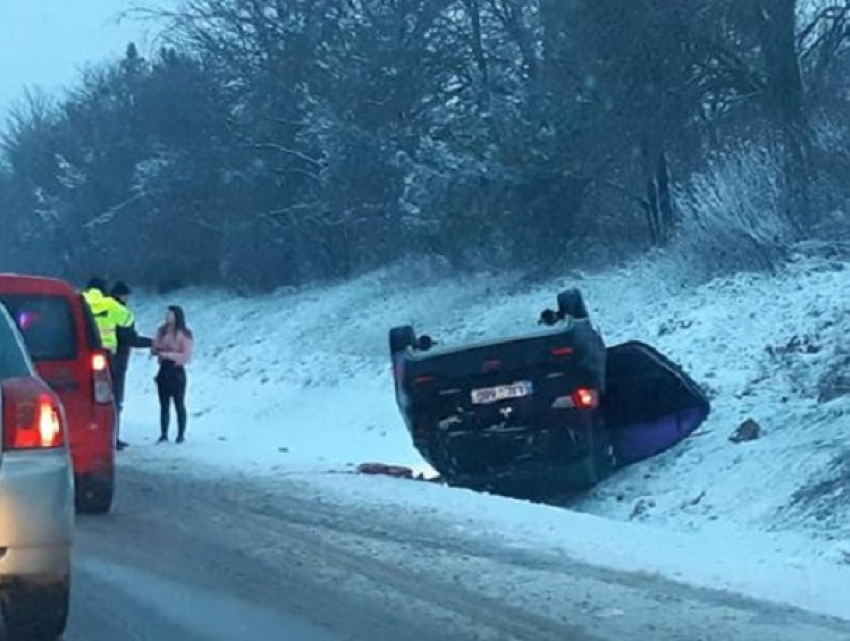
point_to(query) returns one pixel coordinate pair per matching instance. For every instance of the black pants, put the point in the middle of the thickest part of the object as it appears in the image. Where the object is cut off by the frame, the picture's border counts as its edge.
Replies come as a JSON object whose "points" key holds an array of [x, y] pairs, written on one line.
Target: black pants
{"points": [[171, 386], [117, 393], [120, 362]]}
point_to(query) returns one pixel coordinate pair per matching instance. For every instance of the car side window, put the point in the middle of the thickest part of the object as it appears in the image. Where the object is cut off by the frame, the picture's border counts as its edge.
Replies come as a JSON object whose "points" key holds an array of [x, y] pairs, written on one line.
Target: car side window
{"points": [[14, 361]]}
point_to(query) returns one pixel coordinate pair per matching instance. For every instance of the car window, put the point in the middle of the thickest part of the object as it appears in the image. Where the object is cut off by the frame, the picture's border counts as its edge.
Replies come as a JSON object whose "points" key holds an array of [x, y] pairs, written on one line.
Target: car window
{"points": [[13, 358], [46, 323]]}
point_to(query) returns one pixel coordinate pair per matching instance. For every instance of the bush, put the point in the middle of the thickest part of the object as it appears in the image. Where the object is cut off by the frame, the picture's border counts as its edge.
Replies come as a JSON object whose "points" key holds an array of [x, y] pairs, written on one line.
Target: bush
{"points": [[733, 216], [831, 191]]}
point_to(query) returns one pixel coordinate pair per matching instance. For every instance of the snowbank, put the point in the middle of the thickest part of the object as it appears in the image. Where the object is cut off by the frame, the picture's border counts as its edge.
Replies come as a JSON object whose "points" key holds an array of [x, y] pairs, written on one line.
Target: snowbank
{"points": [[299, 383], [769, 567]]}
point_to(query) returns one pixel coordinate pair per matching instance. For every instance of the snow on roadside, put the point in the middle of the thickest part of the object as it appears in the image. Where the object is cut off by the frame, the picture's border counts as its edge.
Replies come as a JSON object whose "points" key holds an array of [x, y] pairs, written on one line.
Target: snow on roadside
{"points": [[299, 383], [775, 568]]}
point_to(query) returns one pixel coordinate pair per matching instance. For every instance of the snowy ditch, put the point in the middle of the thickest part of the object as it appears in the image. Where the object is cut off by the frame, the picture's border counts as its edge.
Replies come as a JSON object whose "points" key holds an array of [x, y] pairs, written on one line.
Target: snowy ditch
{"points": [[298, 384]]}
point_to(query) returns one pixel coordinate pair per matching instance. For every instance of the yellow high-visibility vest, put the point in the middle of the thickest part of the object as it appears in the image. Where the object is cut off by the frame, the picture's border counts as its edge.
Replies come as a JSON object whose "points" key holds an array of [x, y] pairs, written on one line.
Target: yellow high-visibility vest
{"points": [[108, 315]]}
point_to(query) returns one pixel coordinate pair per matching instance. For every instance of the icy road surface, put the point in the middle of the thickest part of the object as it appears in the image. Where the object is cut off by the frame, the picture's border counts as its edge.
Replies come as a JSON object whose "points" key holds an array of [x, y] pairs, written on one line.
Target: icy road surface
{"points": [[209, 560]]}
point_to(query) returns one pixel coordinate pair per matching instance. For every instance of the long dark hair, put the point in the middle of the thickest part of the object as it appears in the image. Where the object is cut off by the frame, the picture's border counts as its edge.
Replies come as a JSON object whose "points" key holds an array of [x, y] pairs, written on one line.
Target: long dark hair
{"points": [[179, 321]]}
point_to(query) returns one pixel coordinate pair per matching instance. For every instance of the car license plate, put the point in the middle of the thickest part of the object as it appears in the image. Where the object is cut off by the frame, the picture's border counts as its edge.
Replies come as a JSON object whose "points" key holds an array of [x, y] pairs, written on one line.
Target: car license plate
{"points": [[489, 395]]}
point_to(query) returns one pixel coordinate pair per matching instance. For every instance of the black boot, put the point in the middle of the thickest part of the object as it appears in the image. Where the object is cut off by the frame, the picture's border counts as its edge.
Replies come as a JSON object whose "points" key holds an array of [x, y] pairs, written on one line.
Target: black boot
{"points": [[163, 439]]}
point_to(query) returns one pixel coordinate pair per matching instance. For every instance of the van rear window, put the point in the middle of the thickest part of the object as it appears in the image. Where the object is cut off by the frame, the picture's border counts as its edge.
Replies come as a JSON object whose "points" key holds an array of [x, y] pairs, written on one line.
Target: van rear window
{"points": [[46, 323]]}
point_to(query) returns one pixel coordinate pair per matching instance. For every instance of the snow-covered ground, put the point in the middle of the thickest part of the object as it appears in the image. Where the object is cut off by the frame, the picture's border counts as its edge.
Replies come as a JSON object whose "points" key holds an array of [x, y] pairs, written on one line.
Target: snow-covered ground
{"points": [[299, 384]]}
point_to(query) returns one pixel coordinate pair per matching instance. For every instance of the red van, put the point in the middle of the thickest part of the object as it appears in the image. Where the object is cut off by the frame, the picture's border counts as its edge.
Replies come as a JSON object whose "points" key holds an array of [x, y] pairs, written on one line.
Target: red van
{"points": [[62, 338]]}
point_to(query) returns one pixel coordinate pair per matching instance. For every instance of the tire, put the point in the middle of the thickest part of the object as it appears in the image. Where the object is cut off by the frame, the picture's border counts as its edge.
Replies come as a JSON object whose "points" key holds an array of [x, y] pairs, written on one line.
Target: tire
{"points": [[401, 338], [425, 343], [606, 459], [37, 613], [571, 303], [598, 465], [94, 494]]}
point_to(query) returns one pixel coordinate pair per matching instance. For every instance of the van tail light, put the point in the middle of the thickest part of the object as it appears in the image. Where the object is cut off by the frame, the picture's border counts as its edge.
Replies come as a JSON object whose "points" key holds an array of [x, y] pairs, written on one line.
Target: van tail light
{"points": [[585, 399], [99, 362], [32, 416], [101, 381]]}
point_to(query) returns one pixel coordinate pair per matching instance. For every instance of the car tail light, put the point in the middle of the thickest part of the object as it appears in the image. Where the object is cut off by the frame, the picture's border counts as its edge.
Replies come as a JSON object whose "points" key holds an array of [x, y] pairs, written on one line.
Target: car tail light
{"points": [[101, 381], [32, 417], [585, 399], [424, 379], [99, 362], [562, 351]]}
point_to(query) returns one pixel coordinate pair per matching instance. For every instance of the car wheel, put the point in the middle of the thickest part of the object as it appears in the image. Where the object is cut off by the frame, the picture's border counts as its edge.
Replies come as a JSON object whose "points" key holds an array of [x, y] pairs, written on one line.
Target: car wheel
{"points": [[401, 338], [599, 463], [604, 461], [37, 613], [94, 494], [571, 303]]}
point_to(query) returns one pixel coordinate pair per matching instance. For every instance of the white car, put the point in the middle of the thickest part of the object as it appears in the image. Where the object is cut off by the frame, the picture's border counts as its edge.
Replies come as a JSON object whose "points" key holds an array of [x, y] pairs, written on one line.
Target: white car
{"points": [[36, 498]]}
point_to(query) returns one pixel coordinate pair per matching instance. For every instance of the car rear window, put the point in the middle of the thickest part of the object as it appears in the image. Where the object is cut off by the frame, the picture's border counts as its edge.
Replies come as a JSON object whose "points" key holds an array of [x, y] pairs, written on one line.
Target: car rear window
{"points": [[46, 323], [13, 360]]}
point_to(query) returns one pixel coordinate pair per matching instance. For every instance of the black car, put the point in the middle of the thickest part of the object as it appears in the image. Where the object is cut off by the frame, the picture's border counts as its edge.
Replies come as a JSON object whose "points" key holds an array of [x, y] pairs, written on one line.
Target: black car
{"points": [[513, 414], [545, 413]]}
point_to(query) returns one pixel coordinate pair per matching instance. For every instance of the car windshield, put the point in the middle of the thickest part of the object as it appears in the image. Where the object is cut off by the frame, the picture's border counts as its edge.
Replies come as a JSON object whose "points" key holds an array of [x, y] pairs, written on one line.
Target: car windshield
{"points": [[46, 323]]}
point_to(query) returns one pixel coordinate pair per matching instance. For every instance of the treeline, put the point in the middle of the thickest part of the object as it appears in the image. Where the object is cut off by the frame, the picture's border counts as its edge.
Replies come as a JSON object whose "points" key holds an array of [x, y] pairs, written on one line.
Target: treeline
{"points": [[275, 142]]}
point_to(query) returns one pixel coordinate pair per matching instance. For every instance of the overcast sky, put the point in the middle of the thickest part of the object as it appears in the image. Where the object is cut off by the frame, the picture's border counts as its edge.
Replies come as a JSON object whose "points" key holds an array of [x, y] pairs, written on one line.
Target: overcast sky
{"points": [[45, 42]]}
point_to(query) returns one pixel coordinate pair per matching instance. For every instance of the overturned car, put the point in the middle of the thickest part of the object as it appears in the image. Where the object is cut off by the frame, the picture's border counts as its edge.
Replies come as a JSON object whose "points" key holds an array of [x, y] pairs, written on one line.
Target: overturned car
{"points": [[548, 411]]}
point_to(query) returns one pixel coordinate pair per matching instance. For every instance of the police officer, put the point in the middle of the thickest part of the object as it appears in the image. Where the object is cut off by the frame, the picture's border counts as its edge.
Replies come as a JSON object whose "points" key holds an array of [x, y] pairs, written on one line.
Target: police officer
{"points": [[108, 315], [107, 312], [128, 339]]}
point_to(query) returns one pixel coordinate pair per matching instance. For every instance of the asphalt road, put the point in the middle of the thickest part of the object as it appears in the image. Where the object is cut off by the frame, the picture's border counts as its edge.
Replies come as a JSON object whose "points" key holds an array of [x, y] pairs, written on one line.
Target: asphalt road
{"points": [[222, 560]]}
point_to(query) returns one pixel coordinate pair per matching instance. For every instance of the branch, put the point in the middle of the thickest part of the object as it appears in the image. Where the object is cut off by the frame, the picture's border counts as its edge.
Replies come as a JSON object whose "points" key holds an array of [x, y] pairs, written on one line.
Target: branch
{"points": [[316, 213], [622, 189], [826, 45], [833, 13], [286, 151], [109, 214]]}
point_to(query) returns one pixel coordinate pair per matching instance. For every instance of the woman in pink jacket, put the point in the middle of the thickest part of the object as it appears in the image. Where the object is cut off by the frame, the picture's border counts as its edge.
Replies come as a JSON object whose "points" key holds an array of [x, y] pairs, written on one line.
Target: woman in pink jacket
{"points": [[173, 346]]}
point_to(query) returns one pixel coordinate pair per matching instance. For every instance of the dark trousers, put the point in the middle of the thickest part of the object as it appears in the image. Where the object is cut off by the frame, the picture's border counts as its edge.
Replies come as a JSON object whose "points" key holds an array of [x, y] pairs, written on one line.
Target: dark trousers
{"points": [[171, 387], [114, 375], [119, 364]]}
